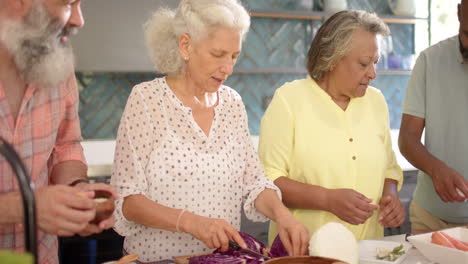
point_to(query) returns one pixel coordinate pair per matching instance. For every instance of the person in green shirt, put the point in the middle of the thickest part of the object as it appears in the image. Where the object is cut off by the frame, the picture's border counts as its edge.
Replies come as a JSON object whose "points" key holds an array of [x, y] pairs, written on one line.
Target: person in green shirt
{"points": [[325, 140], [436, 101]]}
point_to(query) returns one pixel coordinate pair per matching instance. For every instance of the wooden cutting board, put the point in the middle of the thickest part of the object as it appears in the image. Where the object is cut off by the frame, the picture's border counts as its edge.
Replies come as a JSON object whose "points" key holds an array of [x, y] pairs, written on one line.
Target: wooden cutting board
{"points": [[185, 259]]}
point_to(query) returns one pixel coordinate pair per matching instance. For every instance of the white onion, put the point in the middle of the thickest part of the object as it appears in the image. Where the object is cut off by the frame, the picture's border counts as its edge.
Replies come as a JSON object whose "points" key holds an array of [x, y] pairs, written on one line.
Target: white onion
{"points": [[334, 240]]}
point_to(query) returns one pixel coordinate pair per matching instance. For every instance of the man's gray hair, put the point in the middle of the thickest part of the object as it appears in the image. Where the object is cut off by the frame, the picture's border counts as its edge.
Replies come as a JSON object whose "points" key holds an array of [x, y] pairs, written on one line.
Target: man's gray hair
{"points": [[333, 39], [193, 17]]}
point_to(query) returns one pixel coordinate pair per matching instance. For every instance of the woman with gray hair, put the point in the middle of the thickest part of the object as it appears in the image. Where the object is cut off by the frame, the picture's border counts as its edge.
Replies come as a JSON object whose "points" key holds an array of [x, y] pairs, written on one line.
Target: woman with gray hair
{"points": [[325, 140], [184, 162]]}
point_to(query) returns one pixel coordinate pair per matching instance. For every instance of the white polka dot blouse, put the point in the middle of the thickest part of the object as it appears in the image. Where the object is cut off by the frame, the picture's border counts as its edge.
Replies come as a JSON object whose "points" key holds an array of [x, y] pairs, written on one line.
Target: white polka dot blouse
{"points": [[162, 153]]}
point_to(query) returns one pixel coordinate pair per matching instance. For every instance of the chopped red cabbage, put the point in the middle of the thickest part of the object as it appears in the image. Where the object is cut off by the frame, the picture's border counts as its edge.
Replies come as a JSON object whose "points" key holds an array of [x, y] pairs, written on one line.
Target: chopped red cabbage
{"points": [[277, 249], [215, 259], [251, 243]]}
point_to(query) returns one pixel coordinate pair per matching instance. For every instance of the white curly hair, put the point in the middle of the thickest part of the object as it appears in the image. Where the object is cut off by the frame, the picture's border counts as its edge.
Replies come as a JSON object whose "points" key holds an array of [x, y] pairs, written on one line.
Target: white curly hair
{"points": [[193, 17]]}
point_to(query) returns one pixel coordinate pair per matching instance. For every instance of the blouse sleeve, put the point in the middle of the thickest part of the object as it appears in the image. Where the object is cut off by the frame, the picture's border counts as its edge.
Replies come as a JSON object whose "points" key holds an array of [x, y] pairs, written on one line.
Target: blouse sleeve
{"points": [[132, 151], [254, 177], [276, 138], [393, 170]]}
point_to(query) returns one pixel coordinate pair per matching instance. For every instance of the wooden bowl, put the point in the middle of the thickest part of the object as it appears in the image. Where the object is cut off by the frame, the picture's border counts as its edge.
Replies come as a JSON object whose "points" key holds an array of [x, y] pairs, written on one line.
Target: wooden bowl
{"points": [[104, 205], [304, 260]]}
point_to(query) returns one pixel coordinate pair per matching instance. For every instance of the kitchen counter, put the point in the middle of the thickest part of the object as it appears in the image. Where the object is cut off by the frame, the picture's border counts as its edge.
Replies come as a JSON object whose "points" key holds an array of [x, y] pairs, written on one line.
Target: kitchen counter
{"points": [[413, 256], [99, 155]]}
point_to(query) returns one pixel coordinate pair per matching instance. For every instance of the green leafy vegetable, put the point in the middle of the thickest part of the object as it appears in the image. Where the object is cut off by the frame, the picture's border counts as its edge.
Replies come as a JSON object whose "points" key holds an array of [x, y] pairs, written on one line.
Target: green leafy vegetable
{"points": [[390, 255]]}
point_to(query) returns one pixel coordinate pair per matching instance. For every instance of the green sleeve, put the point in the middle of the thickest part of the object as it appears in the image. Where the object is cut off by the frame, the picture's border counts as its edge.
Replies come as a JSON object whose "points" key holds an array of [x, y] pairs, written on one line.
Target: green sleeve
{"points": [[415, 100]]}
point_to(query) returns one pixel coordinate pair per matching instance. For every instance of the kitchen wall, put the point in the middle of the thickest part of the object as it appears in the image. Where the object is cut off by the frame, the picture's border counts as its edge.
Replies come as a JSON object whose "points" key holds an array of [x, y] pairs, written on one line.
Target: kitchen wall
{"points": [[273, 53], [112, 38]]}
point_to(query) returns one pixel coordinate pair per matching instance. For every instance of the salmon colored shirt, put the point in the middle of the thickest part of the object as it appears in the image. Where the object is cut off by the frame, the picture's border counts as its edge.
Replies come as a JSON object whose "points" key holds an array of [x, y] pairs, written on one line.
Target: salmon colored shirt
{"points": [[307, 137], [46, 132]]}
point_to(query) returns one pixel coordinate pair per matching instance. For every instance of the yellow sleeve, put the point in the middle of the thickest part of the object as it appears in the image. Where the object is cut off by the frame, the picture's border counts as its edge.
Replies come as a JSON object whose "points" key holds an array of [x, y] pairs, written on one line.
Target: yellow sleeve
{"points": [[276, 138], [393, 170]]}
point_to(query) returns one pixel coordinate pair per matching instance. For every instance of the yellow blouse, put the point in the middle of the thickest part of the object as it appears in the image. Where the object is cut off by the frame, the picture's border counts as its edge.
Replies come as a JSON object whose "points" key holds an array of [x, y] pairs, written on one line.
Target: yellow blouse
{"points": [[307, 137]]}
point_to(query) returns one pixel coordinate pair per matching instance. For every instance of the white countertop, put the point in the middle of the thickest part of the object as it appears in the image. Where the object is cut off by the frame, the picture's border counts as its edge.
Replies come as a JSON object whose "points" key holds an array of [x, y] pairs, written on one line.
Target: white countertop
{"points": [[414, 256], [100, 154]]}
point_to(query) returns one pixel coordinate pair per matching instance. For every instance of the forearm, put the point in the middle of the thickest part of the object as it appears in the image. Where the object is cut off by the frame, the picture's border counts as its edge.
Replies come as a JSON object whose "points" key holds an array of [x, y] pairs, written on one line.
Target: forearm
{"points": [[269, 204], [390, 188], [315, 198], [139, 209], [68, 171], [11, 207], [417, 154]]}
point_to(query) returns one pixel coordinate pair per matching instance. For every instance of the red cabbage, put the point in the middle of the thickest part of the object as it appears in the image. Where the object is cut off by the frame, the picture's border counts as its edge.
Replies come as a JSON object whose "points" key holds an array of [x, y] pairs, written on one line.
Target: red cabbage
{"points": [[215, 259], [277, 249], [252, 244]]}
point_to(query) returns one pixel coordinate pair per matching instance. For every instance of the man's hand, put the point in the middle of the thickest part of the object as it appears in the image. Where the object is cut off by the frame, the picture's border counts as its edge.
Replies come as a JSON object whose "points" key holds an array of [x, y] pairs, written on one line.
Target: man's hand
{"points": [[104, 224], [446, 182], [97, 186], [95, 229], [64, 210]]}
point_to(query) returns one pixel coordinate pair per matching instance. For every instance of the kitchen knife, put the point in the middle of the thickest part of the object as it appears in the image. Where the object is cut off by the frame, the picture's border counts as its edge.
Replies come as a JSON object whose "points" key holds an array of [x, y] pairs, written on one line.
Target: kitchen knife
{"points": [[247, 251]]}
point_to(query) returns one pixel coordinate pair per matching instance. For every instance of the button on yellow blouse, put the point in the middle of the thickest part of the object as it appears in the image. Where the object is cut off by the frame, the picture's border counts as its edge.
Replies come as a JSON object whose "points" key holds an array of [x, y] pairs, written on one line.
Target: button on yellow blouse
{"points": [[308, 138]]}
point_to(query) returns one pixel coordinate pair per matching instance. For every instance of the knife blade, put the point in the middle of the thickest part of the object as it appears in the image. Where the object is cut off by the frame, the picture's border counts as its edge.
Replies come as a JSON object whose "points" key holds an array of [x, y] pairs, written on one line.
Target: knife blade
{"points": [[247, 251]]}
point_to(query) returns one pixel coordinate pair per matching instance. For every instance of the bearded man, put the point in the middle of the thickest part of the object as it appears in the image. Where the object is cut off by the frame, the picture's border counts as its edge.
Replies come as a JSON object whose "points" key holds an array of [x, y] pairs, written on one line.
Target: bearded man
{"points": [[39, 117]]}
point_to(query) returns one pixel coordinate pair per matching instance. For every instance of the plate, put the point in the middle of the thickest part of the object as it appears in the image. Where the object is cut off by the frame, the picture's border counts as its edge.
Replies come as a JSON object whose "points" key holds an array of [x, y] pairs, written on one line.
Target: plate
{"points": [[368, 251], [441, 254]]}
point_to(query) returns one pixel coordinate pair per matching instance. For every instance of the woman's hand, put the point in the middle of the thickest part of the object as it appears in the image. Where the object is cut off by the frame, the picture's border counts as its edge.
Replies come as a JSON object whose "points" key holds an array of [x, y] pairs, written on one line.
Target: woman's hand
{"points": [[294, 235], [213, 232], [392, 211], [350, 206]]}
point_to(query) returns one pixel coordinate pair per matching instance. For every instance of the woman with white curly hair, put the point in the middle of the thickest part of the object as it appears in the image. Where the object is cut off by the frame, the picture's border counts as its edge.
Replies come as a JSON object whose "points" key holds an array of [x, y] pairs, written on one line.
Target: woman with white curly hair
{"points": [[184, 162]]}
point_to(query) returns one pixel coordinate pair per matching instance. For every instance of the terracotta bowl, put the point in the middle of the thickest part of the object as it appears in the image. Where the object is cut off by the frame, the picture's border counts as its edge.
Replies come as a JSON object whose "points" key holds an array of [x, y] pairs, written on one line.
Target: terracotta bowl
{"points": [[303, 260], [104, 205]]}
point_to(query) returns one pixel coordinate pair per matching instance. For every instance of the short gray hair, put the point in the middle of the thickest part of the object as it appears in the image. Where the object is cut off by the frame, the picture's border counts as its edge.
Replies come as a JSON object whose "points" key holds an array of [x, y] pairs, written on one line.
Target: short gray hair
{"points": [[193, 17], [333, 39]]}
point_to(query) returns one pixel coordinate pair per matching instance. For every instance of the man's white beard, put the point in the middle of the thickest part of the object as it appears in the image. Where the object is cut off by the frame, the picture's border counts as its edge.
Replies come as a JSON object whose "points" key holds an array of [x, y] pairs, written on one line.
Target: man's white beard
{"points": [[36, 48]]}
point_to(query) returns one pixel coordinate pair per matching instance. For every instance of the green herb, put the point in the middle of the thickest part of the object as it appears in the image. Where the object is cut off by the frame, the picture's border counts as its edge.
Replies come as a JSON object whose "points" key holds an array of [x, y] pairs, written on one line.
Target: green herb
{"points": [[390, 255]]}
